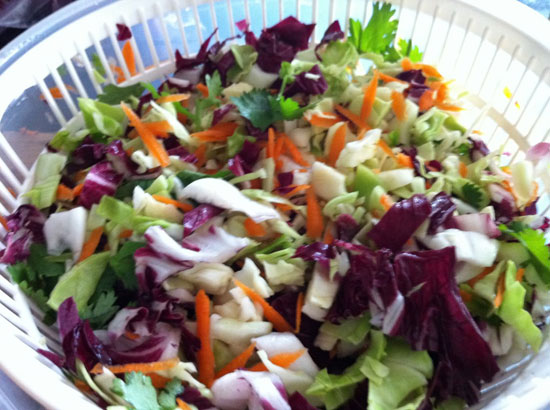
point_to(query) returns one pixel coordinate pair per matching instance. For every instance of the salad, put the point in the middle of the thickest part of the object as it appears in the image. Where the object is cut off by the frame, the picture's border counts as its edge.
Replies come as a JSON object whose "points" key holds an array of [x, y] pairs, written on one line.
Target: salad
{"points": [[284, 225]]}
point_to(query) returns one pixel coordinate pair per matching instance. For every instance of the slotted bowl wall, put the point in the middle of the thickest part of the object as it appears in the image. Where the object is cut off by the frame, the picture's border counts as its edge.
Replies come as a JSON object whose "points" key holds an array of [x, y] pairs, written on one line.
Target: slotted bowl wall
{"points": [[484, 45]]}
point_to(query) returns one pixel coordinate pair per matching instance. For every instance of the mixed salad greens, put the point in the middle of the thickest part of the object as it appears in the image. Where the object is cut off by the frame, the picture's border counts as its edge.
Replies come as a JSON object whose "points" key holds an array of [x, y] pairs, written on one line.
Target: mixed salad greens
{"points": [[281, 225]]}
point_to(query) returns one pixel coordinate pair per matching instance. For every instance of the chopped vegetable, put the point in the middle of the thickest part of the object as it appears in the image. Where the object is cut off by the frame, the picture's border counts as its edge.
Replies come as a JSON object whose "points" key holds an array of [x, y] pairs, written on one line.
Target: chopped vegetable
{"points": [[238, 362], [205, 354], [315, 223]]}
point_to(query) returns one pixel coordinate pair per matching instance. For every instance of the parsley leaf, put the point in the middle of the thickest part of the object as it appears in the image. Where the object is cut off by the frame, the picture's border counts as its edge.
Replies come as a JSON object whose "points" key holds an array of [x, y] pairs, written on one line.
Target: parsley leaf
{"points": [[113, 94], [167, 397], [263, 109], [406, 49], [474, 195], [101, 312], [137, 389], [379, 33], [535, 244], [124, 266], [214, 84]]}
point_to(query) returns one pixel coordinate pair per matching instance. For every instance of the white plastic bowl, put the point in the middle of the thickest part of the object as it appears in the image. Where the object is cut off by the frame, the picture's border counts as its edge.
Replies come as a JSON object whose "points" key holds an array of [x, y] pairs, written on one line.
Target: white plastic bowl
{"points": [[485, 45]]}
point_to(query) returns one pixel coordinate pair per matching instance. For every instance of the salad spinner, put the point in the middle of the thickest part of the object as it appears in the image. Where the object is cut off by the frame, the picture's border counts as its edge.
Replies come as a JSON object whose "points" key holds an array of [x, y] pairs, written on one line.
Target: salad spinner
{"points": [[498, 50]]}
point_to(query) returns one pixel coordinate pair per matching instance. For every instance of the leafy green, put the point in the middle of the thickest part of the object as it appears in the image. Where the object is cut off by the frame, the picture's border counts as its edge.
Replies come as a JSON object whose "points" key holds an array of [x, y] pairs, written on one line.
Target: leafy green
{"points": [[352, 330], [137, 389], [101, 118], [263, 109], [126, 190], [124, 266], [214, 84], [80, 282], [186, 177], [47, 175], [393, 138], [379, 33], [151, 88], [98, 65], [113, 94], [67, 141], [245, 57], [474, 195], [101, 312], [342, 54], [534, 242], [406, 49]]}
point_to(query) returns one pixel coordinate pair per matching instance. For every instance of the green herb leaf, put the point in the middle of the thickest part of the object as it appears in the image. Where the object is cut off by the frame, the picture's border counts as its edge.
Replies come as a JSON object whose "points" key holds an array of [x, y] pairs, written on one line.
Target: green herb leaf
{"points": [[101, 312], [167, 397], [472, 194], [379, 33], [113, 94], [124, 266], [214, 84], [98, 65], [393, 138], [186, 177], [137, 389], [126, 190], [406, 49]]}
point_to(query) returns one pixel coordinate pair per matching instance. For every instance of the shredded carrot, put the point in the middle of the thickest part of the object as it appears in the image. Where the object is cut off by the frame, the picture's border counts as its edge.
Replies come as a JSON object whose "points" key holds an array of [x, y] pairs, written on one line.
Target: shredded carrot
{"points": [[508, 186], [283, 207], [137, 367], [299, 306], [294, 152], [203, 89], [500, 291], [337, 144], [90, 245], [238, 362], [217, 133], [4, 223], [77, 190], [352, 117], [466, 296], [158, 381], [406, 64], [328, 237], [324, 120], [153, 145], [462, 169], [279, 147], [82, 386], [398, 105], [270, 149], [129, 58], [369, 96], [126, 234], [296, 189], [254, 229], [279, 322], [173, 98], [185, 207], [405, 161], [449, 107], [428, 70], [519, 274], [389, 79], [314, 223], [64, 193], [386, 148], [426, 100], [386, 202], [120, 77], [205, 354], [182, 405], [159, 128], [477, 278], [281, 360], [56, 92], [131, 335], [200, 153]]}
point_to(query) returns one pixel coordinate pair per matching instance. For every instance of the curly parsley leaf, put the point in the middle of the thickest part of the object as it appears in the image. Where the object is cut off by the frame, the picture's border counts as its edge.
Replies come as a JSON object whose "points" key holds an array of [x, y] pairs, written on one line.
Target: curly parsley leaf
{"points": [[379, 33], [535, 244], [113, 94]]}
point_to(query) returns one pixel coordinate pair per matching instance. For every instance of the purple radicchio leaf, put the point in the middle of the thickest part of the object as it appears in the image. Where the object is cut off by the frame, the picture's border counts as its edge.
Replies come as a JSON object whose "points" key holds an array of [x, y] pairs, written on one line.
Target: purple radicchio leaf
{"points": [[101, 180], [332, 33], [309, 82], [25, 226], [299, 402], [88, 153], [442, 210], [400, 222], [478, 150], [120, 160], [201, 57], [316, 252], [198, 216], [123, 32], [347, 227], [221, 112]]}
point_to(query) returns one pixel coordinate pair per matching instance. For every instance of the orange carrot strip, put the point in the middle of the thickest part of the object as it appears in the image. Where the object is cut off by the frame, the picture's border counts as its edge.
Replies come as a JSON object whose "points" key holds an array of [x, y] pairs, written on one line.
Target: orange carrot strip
{"points": [[126, 234], [398, 105], [153, 145], [4, 223], [299, 306], [258, 367], [82, 386], [449, 107], [173, 98], [238, 362], [389, 79], [120, 77], [386, 148], [283, 207], [352, 117], [406, 64], [200, 153], [129, 58], [477, 278], [279, 147], [428, 70], [405, 161], [159, 382], [205, 354], [159, 128], [369, 96], [185, 207], [203, 89], [314, 223], [441, 95], [281, 360], [500, 291], [338, 143], [131, 335], [182, 405], [519, 274], [326, 120], [78, 189], [64, 193], [90, 245], [328, 237], [426, 100], [270, 149], [386, 201], [294, 152], [253, 229], [279, 322], [462, 169], [296, 189], [218, 132], [137, 367]]}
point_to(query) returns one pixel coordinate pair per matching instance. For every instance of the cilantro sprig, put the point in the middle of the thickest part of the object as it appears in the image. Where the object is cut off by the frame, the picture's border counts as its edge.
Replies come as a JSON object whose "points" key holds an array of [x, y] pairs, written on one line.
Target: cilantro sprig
{"points": [[137, 389]]}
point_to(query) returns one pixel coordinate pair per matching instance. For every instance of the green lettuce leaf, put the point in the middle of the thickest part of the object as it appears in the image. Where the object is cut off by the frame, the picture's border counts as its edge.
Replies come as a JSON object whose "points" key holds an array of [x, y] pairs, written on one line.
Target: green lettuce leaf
{"points": [[113, 94], [341, 54], [353, 330], [47, 175], [101, 118], [245, 57]]}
